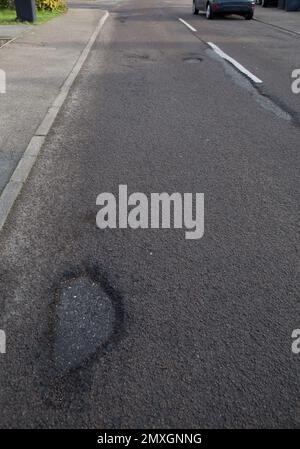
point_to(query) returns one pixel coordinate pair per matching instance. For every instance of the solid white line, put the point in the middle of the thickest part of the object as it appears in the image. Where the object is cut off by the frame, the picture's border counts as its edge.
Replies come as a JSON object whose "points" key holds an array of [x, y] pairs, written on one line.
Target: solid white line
{"points": [[187, 25], [236, 64], [19, 176]]}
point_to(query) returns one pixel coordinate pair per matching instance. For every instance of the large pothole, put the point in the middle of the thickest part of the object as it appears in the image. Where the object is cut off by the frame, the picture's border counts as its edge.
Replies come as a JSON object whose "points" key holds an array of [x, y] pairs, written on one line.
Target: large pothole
{"points": [[84, 321]]}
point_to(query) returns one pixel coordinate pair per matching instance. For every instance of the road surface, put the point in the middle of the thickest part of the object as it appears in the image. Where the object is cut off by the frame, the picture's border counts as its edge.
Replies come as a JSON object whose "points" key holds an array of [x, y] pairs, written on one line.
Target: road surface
{"points": [[182, 333]]}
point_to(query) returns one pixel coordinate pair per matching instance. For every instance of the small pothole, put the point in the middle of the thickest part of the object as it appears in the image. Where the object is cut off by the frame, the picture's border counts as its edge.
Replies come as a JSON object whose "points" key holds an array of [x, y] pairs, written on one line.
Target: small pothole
{"points": [[138, 56], [192, 60], [121, 19]]}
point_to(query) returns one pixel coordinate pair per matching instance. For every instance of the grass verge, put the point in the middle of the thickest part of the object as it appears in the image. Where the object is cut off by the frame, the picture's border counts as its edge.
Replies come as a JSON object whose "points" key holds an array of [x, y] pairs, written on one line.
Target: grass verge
{"points": [[8, 16]]}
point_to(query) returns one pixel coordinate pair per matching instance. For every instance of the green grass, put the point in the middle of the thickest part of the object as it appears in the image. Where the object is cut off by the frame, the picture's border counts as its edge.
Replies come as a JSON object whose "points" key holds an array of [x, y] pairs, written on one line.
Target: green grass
{"points": [[8, 17]]}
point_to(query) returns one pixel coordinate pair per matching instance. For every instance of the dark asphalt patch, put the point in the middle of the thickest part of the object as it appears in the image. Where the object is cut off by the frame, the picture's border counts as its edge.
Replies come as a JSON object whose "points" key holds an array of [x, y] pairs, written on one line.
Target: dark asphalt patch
{"points": [[87, 314], [85, 317], [97, 317]]}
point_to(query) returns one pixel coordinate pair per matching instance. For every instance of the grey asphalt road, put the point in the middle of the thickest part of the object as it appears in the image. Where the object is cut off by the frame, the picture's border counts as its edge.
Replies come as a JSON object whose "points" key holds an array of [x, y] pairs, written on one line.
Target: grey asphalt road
{"points": [[183, 333]]}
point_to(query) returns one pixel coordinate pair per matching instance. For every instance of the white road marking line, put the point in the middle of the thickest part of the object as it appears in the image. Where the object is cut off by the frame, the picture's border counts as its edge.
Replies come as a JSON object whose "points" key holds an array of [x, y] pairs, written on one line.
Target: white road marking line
{"points": [[228, 58], [236, 64], [187, 25]]}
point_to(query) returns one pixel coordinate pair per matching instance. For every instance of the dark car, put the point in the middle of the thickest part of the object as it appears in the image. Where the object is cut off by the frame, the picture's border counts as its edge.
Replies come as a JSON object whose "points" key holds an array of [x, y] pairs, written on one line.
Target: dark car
{"points": [[213, 8]]}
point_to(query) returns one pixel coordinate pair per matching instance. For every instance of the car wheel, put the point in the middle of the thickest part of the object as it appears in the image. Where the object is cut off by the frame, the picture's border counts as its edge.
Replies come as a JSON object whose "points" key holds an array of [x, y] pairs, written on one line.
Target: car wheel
{"points": [[209, 13], [264, 3], [195, 10], [249, 16]]}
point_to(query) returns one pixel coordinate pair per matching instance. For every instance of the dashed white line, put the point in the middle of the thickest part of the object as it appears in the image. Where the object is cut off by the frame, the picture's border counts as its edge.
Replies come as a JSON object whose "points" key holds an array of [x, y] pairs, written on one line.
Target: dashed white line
{"points": [[225, 56], [235, 63], [187, 25]]}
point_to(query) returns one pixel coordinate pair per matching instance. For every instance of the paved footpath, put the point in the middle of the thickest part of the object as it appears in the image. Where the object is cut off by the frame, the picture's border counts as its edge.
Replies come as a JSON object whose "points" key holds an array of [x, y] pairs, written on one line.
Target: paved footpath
{"points": [[289, 21], [36, 65], [8, 32]]}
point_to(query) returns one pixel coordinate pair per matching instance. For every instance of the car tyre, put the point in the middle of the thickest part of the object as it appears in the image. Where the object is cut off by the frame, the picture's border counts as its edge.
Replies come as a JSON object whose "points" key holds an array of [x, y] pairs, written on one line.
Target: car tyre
{"points": [[249, 16], [209, 13], [195, 10]]}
